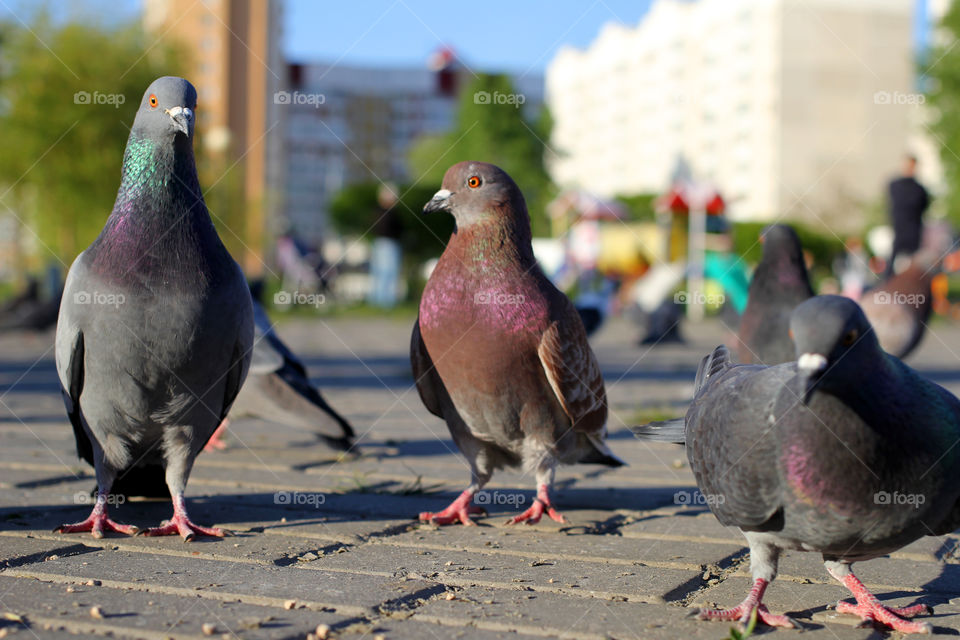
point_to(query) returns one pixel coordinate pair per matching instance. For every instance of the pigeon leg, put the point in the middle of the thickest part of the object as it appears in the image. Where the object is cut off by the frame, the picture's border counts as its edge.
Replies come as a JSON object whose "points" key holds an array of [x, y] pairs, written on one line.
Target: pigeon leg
{"points": [[459, 510], [216, 443], [180, 523], [541, 504], [744, 610], [870, 609], [98, 522]]}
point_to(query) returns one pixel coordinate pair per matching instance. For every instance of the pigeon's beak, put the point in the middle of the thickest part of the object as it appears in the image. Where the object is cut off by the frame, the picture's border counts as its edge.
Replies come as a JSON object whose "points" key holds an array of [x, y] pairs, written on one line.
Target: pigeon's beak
{"points": [[182, 119], [811, 366], [439, 202]]}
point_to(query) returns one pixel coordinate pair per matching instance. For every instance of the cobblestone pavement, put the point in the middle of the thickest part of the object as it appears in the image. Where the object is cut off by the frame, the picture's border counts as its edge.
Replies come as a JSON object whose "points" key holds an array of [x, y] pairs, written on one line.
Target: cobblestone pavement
{"points": [[322, 541]]}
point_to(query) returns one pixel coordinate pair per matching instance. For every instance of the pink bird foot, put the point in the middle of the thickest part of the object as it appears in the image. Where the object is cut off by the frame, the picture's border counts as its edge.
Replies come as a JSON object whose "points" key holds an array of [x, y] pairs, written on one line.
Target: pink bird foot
{"points": [[96, 523], [541, 504], [742, 612], [180, 524], [459, 510], [870, 610], [216, 443]]}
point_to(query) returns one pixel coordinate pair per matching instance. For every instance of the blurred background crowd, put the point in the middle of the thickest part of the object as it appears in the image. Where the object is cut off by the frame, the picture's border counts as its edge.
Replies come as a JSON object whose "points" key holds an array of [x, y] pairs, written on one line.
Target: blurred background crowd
{"points": [[653, 141]]}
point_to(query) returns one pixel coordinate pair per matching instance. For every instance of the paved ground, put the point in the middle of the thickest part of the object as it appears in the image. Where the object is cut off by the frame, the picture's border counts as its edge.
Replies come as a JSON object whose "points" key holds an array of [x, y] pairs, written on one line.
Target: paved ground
{"points": [[327, 542]]}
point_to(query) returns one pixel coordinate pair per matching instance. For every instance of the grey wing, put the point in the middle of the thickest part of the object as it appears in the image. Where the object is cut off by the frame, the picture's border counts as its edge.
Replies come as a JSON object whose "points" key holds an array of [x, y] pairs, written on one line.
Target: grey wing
{"points": [[429, 385], [242, 356], [732, 447], [265, 358], [69, 354]]}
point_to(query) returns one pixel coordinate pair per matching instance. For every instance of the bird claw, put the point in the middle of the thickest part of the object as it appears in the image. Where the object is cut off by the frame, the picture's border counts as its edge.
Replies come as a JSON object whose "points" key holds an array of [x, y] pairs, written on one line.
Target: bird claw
{"points": [[459, 510], [894, 617], [216, 442], [96, 523], [741, 614], [187, 530], [536, 511], [452, 516]]}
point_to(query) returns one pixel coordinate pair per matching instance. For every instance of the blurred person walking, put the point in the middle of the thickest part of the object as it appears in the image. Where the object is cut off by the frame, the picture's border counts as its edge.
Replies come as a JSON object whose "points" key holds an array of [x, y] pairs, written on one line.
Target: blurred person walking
{"points": [[385, 253], [908, 201]]}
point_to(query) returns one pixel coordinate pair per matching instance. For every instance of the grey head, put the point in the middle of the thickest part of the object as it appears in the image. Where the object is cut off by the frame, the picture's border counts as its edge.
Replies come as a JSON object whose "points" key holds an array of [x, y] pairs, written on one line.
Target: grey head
{"points": [[780, 241], [835, 344], [478, 191], [167, 110]]}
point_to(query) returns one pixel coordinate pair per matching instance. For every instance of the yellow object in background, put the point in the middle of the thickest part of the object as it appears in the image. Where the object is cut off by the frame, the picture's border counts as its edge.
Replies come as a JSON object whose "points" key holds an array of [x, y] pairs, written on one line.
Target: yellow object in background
{"points": [[629, 248]]}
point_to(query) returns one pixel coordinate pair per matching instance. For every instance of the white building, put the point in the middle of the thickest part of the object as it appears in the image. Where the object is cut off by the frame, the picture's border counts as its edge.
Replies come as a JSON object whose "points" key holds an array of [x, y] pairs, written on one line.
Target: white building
{"points": [[793, 107]]}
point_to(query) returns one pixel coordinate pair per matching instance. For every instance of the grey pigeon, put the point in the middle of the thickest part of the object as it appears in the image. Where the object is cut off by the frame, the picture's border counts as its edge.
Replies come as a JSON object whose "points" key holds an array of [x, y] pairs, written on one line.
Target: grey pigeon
{"points": [[156, 325], [899, 308], [813, 455], [279, 390], [498, 352], [778, 285]]}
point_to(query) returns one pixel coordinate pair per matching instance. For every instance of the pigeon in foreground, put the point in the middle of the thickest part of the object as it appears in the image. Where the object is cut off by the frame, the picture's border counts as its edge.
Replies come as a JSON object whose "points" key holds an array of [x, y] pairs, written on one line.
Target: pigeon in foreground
{"points": [[778, 285], [814, 455], [899, 308], [499, 353], [279, 390], [156, 325]]}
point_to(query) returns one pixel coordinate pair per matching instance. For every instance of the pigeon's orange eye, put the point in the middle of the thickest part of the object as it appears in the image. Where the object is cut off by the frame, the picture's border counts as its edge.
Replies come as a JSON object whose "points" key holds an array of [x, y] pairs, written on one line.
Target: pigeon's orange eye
{"points": [[850, 337], [473, 182], [153, 100]]}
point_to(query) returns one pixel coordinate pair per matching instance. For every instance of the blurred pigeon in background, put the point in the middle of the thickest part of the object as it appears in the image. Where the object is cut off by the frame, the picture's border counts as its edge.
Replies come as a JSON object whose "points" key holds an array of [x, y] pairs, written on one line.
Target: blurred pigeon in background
{"points": [[279, 390], [30, 293], [156, 326], [813, 455], [778, 285], [29, 310], [899, 308], [499, 353]]}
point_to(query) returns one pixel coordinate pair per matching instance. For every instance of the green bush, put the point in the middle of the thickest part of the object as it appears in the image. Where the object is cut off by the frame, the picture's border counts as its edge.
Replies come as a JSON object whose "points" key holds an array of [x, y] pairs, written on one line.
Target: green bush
{"points": [[825, 247]]}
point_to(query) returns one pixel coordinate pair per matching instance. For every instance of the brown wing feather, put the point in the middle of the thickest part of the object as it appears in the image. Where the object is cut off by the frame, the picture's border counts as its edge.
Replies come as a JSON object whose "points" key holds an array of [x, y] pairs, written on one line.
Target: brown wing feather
{"points": [[573, 372]]}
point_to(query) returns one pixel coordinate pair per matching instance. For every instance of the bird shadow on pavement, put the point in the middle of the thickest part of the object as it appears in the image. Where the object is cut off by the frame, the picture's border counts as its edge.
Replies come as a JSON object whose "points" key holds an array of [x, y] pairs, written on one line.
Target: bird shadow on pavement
{"points": [[289, 508]]}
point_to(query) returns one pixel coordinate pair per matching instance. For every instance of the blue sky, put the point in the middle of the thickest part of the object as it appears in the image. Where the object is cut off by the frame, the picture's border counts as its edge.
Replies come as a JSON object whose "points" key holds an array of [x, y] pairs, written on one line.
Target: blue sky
{"points": [[517, 35], [494, 35]]}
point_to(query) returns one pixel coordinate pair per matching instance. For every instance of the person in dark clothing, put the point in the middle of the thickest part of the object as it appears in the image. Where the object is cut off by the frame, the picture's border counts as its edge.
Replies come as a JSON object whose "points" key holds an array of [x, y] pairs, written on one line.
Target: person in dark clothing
{"points": [[908, 201]]}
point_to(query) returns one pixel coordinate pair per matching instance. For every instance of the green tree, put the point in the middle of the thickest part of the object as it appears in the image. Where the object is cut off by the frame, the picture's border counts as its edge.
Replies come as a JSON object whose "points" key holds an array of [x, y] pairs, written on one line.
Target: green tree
{"points": [[491, 127], [355, 210], [640, 207], [68, 93], [943, 70]]}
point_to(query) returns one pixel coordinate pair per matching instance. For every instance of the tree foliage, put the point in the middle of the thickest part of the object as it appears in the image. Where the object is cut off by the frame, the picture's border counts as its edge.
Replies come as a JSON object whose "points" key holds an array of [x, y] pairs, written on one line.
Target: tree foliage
{"points": [[68, 94], [354, 211], [492, 127], [943, 72]]}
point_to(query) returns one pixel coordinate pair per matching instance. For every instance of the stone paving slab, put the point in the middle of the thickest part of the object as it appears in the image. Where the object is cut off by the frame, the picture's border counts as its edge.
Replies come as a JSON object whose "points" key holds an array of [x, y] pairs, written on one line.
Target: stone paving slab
{"points": [[337, 534]]}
